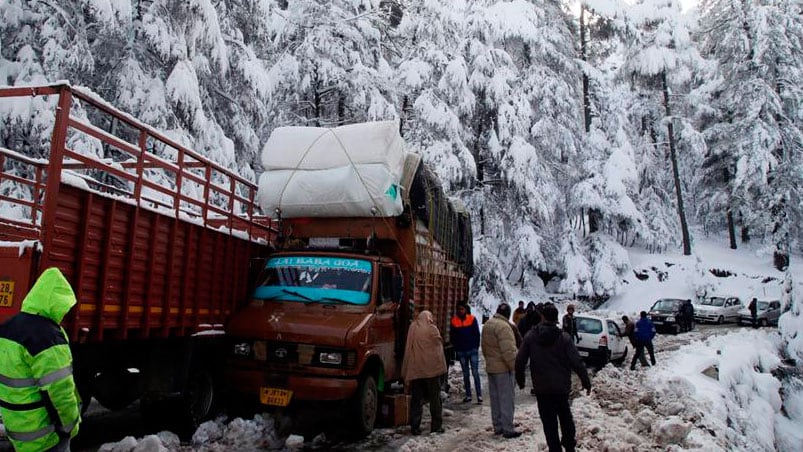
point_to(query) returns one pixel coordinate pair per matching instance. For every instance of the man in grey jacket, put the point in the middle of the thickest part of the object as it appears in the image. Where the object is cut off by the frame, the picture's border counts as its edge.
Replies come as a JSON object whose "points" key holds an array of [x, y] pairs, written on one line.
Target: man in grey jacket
{"points": [[552, 356], [499, 350]]}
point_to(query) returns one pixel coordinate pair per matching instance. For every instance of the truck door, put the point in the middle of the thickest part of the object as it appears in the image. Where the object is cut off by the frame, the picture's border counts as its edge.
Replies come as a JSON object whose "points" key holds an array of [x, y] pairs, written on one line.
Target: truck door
{"points": [[387, 305]]}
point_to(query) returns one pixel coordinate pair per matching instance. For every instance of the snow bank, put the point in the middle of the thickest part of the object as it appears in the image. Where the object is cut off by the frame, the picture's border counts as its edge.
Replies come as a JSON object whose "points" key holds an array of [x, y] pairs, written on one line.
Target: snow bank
{"points": [[338, 172]]}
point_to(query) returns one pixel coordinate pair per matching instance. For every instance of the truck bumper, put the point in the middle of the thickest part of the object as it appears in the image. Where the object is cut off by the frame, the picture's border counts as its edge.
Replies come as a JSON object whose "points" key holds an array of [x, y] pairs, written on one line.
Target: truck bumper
{"points": [[248, 383]]}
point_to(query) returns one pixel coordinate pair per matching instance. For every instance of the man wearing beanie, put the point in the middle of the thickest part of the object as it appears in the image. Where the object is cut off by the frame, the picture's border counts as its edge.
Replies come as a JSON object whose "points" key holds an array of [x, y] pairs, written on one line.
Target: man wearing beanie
{"points": [[552, 357], [499, 350]]}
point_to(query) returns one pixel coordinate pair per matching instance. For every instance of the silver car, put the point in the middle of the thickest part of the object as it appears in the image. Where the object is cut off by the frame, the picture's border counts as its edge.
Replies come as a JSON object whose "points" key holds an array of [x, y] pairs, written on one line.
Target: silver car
{"points": [[767, 313], [718, 310]]}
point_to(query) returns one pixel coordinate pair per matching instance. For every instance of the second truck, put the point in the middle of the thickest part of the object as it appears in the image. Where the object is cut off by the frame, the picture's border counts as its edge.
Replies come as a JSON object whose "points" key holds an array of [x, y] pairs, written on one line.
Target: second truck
{"points": [[367, 239]]}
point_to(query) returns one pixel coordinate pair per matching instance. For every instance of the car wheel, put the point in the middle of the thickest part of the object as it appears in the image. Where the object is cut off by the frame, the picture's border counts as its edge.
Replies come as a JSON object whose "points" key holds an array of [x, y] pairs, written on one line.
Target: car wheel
{"points": [[620, 360], [720, 320], [762, 322]]}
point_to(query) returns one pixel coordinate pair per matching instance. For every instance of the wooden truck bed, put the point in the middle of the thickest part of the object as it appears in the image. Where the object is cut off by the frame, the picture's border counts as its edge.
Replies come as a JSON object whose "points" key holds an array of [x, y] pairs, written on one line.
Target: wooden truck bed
{"points": [[154, 238]]}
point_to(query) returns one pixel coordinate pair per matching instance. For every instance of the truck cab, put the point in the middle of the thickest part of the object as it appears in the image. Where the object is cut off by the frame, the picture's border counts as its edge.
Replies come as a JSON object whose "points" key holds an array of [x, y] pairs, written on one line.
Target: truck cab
{"points": [[320, 326]]}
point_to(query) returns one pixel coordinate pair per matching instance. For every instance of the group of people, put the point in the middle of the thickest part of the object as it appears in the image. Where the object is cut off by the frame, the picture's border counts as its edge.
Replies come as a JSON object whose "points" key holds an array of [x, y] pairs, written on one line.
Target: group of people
{"points": [[640, 335], [536, 341]]}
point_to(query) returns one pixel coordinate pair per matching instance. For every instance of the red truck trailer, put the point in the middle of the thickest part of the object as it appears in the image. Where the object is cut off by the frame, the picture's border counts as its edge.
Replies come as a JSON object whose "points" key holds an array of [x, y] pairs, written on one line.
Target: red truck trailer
{"points": [[155, 239], [328, 320]]}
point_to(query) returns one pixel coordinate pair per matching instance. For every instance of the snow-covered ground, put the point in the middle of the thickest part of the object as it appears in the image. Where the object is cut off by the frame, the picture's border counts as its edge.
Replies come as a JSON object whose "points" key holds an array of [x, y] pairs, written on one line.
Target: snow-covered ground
{"points": [[716, 388]]}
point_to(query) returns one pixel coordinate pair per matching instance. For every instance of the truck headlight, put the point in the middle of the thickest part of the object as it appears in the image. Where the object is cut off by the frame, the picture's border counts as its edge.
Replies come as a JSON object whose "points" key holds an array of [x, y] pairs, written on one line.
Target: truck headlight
{"points": [[671, 318], [242, 349], [334, 358]]}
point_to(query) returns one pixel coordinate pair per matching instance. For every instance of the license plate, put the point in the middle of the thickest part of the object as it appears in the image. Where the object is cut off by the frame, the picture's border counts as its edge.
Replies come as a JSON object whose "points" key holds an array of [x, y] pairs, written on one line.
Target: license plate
{"points": [[275, 396], [6, 294], [658, 322], [583, 353]]}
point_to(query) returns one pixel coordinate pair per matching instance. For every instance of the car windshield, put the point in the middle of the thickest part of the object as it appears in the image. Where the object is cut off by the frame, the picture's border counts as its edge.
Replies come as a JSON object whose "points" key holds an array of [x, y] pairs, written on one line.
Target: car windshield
{"points": [[665, 305], [715, 301], [588, 325], [321, 279]]}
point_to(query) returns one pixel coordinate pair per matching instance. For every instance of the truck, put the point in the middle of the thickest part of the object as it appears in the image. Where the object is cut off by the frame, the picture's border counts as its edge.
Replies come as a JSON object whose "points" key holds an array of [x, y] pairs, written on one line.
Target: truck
{"points": [[156, 240], [328, 318]]}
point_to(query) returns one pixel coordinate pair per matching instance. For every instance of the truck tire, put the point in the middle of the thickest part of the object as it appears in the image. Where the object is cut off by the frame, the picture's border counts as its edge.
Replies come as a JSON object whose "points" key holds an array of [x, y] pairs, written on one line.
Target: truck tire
{"points": [[199, 397], [365, 406]]}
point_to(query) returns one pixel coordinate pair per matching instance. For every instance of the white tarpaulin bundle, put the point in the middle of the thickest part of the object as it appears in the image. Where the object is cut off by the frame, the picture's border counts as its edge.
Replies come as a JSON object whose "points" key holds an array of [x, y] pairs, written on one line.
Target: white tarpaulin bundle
{"points": [[340, 172]]}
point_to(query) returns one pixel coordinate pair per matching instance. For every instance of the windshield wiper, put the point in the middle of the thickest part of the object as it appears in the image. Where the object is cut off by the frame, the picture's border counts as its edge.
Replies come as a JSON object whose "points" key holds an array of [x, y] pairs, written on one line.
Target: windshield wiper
{"points": [[339, 300], [297, 294]]}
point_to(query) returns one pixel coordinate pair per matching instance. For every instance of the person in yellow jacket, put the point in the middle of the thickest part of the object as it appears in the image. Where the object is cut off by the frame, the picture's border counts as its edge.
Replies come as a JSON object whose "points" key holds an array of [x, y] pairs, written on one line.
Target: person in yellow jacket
{"points": [[39, 403]]}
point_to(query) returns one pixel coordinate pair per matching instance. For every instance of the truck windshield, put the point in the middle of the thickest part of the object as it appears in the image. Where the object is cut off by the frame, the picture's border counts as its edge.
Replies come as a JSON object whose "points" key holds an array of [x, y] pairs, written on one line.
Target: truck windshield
{"points": [[321, 279]]}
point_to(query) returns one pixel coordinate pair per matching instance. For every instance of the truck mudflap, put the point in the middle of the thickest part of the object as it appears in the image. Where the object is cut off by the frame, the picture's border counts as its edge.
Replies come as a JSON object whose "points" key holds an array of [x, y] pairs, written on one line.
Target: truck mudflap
{"points": [[254, 385]]}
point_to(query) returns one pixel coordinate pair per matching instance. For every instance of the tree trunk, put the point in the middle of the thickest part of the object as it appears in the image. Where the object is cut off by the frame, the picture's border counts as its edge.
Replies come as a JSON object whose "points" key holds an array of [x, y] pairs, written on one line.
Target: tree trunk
{"points": [[684, 227], [584, 57], [731, 230]]}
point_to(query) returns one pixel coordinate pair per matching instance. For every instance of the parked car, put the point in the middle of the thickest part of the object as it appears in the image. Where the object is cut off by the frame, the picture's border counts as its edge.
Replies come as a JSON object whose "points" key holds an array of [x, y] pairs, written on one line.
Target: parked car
{"points": [[718, 309], [767, 313], [600, 341], [672, 315]]}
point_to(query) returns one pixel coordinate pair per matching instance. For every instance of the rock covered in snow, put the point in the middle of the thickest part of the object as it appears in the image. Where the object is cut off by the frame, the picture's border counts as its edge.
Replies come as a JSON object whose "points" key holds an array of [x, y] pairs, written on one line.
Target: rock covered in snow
{"points": [[126, 444], [170, 440], [672, 430], [150, 443], [294, 442], [207, 432], [644, 419]]}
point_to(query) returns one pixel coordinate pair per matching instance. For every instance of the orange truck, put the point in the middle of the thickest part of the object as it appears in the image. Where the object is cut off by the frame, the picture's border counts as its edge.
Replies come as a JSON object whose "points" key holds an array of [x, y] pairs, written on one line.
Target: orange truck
{"points": [[328, 318], [155, 239]]}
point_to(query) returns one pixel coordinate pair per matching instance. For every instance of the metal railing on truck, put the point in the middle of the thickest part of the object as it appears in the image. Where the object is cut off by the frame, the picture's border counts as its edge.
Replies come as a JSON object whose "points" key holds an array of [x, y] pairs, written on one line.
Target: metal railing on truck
{"points": [[141, 176]]}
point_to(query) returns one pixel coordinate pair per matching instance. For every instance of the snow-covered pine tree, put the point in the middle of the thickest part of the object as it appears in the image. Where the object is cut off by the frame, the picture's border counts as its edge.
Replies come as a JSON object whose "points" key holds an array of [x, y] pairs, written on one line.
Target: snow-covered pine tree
{"points": [[661, 60], [756, 140], [330, 63]]}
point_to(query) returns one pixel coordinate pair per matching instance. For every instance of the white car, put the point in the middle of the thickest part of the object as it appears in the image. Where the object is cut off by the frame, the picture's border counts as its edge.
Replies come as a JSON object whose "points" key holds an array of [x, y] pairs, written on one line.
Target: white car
{"points": [[718, 310], [767, 313], [600, 340]]}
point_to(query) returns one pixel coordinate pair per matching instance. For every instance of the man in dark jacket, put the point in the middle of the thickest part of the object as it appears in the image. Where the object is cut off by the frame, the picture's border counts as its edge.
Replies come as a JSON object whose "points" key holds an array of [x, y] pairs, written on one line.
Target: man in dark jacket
{"points": [[630, 334], [552, 356], [753, 307], [39, 402], [570, 323], [530, 318], [464, 332], [645, 332]]}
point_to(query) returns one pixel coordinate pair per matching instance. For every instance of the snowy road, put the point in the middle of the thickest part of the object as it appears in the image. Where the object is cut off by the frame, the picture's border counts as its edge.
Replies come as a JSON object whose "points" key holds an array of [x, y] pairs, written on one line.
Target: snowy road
{"points": [[621, 407]]}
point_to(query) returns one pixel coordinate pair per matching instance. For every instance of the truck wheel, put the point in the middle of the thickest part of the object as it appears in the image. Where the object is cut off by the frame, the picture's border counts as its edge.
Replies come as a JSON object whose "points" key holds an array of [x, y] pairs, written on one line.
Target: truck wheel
{"points": [[365, 407], [199, 396]]}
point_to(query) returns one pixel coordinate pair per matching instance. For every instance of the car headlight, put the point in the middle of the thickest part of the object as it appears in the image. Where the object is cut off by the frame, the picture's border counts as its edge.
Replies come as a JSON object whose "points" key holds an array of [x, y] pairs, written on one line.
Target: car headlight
{"points": [[671, 318], [334, 358], [242, 349]]}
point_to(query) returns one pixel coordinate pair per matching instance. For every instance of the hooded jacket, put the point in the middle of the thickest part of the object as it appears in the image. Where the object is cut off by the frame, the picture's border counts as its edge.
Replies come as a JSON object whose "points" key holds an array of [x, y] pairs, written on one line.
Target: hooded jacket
{"points": [[552, 356], [423, 354], [645, 330], [38, 400]]}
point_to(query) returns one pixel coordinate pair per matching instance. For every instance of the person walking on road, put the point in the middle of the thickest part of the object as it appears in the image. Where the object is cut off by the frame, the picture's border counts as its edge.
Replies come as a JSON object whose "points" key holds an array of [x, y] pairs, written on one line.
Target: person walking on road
{"points": [[630, 334], [753, 307], [422, 368], [570, 323], [499, 350], [644, 332], [552, 356], [39, 402], [464, 332]]}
